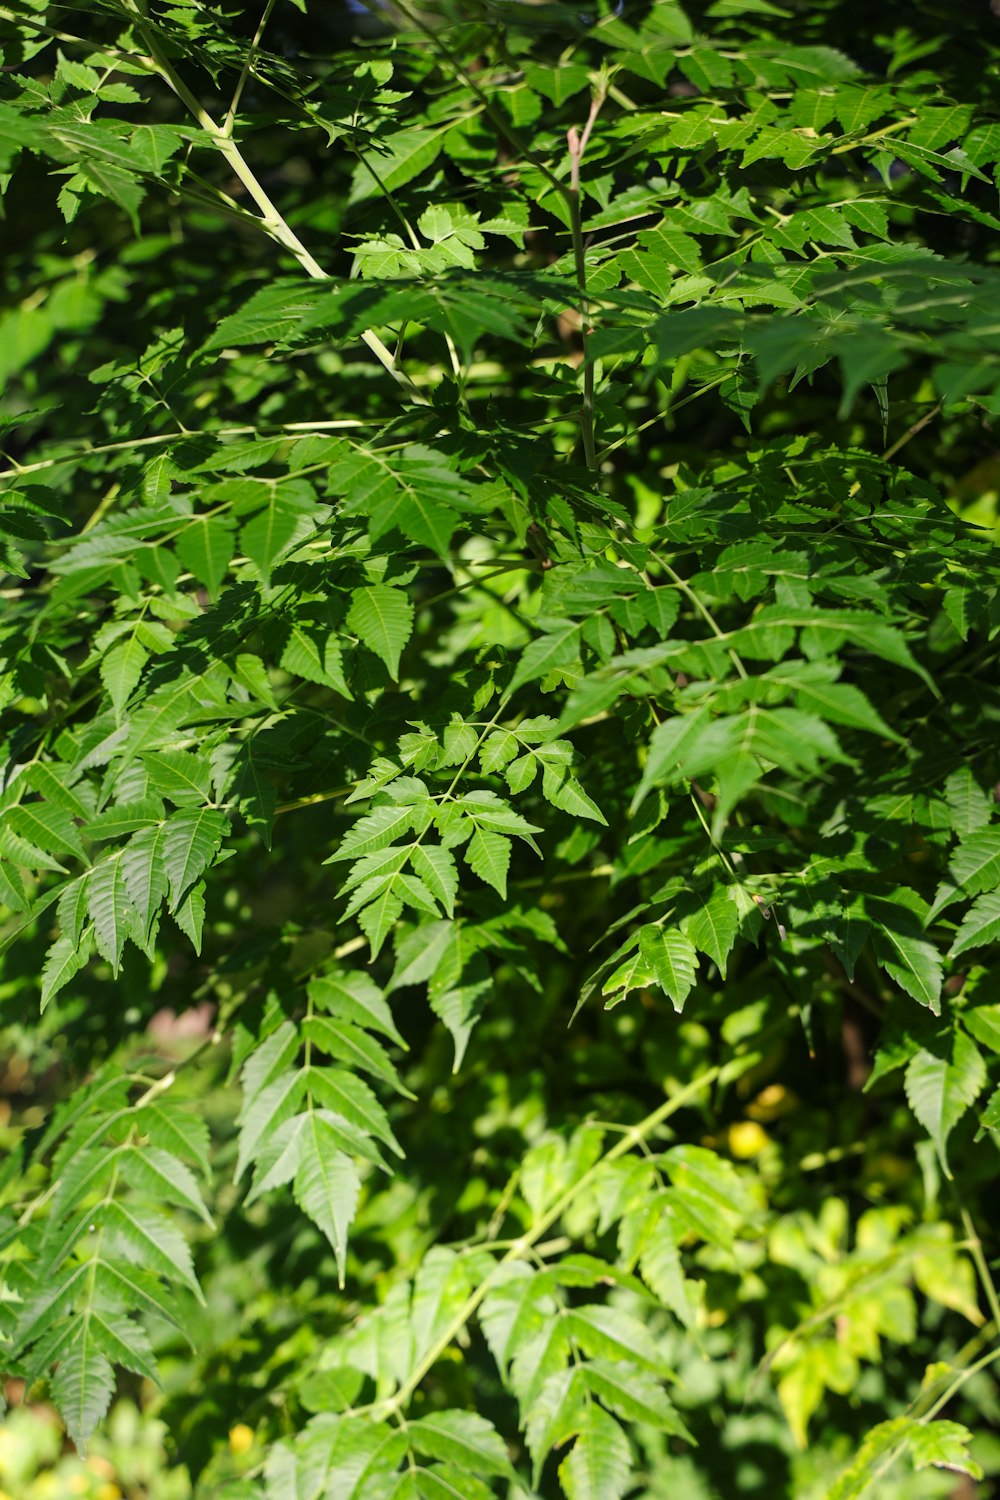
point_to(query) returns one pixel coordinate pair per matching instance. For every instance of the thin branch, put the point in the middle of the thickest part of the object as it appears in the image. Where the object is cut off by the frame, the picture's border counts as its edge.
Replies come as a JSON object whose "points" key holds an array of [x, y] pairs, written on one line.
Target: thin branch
{"points": [[17, 471], [911, 432], [271, 220], [979, 1259], [248, 62], [577, 144]]}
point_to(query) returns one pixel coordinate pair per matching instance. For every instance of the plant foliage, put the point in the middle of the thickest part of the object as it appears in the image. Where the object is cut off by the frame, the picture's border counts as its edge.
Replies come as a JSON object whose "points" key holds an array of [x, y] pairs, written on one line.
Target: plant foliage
{"points": [[500, 875]]}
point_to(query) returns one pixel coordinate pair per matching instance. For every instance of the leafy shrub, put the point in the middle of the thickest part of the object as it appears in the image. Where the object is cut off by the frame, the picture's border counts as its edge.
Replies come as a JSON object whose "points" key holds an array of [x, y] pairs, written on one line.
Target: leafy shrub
{"points": [[499, 677]]}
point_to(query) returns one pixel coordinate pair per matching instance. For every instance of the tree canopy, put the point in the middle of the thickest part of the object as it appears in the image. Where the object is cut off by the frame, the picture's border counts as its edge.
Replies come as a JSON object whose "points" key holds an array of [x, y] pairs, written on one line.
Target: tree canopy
{"points": [[499, 864]]}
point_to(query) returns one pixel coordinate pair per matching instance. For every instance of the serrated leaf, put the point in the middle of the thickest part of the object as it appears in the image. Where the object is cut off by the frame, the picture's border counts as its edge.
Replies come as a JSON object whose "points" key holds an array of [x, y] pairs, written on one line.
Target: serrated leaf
{"points": [[313, 651], [436, 867], [379, 918], [144, 870], [190, 840], [382, 619], [66, 957], [941, 1088], [673, 746], [206, 549], [980, 925], [634, 1395], [82, 1385], [355, 997], [327, 1184], [566, 793], [47, 825], [599, 1465], [943, 1445], [154, 1171], [110, 907], [610, 1332], [557, 648], [150, 1239], [672, 959], [462, 1438], [444, 1482], [347, 1095], [882, 1441], [190, 915], [121, 669], [264, 1112], [488, 854], [975, 864], [270, 533], [713, 927], [968, 804], [376, 830], [905, 954], [349, 1045]]}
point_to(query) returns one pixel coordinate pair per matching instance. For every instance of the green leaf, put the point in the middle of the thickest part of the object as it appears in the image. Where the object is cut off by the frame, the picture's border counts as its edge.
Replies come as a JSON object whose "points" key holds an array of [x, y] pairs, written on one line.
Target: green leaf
{"points": [[355, 997], [967, 802], [975, 865], [206, 548], [905, 954], [190, 914], [48, 826], [983, 1021], [462, 1438], [941, 1088], [121, 669], [379, 917], [566, 793], [145, 873], [150, 1239], [349, 1045], [672, 959], [599, 1465], [313, 651], [713, 927], [382, 619], [610, 1332], [271, 533], [190, 841], [888, 1438], [327, 1184], [110, 909], [488, 854], [943, 1445], [65, 958], [634, 1395], [82, 1386], [443, 1482], [436, 867], [163, 1177], [677, 743], [376, 830], [980, 925], [557, 648], [350, 1097], [400, 157]]}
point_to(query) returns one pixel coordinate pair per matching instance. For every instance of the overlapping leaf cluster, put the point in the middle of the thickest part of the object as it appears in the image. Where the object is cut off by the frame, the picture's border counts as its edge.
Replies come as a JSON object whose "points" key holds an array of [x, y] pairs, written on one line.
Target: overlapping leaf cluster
{"points": [[441, 562]]}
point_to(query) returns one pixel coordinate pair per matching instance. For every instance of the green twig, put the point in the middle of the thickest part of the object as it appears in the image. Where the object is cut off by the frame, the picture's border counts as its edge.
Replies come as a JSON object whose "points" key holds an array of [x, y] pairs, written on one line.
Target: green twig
{"points": [[577, 143], [271, 220], [248, 62]]}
